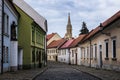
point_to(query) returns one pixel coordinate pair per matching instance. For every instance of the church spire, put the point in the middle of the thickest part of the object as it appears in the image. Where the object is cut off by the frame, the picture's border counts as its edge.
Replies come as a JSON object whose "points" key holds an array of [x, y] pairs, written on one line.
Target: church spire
{"points": [[68, 34], [69, 21]]}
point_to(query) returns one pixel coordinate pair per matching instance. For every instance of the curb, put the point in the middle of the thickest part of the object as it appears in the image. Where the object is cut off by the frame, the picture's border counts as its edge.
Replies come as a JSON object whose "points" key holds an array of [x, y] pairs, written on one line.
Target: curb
{"points": [[42, 71], [87, 73]]}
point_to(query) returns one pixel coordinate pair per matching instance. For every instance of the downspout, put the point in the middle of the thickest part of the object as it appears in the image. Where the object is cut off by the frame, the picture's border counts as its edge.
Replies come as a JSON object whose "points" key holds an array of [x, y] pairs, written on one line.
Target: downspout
{"points": [[2, 36], [45, 54]]}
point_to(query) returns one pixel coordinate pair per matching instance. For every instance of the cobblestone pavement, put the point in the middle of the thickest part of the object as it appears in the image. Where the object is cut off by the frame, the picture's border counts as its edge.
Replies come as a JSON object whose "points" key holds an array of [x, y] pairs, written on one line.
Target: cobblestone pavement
{"points": [[22, 74], [101, 73], [59, 71]]}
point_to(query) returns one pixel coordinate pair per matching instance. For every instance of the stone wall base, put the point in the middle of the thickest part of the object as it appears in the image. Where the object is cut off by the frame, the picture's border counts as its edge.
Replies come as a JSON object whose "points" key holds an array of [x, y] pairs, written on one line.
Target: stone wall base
{"points": [[20, 67], [13, 68]]}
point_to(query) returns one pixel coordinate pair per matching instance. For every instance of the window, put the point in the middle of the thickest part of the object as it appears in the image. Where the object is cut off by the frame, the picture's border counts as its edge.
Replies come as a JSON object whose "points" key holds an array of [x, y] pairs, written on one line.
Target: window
{"points": [[106, 49], [33, 34], [50, 57], [95, 51], [114, 48], [84, 53], [6, 23], [91, 52], [37, 56], [33, 55], [72, 53], [87, 52], [5, 54]]}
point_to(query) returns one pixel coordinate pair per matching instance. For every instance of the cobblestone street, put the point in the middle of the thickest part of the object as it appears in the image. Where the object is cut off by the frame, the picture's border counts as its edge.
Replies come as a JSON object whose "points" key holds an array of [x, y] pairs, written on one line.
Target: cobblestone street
{"points": [[60, 71]]}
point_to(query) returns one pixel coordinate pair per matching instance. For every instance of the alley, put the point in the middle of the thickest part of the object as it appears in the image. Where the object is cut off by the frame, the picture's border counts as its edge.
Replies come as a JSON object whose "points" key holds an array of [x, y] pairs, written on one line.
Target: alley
{"points": [[60, 71]]}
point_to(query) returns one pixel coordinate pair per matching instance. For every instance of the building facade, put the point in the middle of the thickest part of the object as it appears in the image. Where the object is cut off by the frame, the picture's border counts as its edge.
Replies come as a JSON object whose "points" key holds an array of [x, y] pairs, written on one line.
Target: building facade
{"points": [[9, 43], [52, 49], [52, 37], [101, 47], [32, 35], [64, 52], [74, 49]]}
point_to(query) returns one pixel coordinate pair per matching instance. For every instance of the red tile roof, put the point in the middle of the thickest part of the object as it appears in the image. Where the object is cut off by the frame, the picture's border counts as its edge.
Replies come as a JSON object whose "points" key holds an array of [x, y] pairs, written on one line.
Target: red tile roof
{"points": [[111, 19], [104, 25], [49, 36], [66, 45], [56, 43], [77, 40]]}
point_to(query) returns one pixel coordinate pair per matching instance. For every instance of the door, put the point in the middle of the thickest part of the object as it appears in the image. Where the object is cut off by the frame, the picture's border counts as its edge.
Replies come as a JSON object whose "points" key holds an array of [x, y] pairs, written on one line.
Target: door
{"points": [[40, 64]]}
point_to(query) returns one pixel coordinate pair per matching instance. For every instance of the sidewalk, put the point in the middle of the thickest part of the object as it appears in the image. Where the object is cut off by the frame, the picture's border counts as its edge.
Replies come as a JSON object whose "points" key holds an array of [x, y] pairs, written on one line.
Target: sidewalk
{"points": [[100, 73], [22, 74]]}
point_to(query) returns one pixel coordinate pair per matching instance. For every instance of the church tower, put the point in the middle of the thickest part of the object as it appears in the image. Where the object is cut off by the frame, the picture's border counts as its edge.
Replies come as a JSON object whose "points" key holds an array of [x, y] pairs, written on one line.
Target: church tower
{"points": [[68, 34]]}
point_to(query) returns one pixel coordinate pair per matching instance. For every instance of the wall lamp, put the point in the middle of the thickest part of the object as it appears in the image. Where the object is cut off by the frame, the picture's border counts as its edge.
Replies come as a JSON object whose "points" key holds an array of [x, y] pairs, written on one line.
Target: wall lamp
{"points": [[101, 30]]}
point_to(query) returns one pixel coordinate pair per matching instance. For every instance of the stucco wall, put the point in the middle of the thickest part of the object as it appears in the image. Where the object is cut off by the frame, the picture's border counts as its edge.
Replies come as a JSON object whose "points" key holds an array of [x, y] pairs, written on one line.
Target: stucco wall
{"points": [[55, 37], [100, 39], [7, 37]]}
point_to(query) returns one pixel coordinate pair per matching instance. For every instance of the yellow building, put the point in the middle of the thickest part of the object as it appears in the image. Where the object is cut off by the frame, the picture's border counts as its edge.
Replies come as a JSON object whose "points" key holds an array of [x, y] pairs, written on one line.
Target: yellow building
{"points": [[51, 37], [52, 49]]}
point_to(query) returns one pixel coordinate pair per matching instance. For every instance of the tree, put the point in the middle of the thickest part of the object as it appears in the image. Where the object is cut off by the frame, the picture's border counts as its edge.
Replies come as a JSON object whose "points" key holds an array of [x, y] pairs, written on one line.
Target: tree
{"points": [[84, 29]]}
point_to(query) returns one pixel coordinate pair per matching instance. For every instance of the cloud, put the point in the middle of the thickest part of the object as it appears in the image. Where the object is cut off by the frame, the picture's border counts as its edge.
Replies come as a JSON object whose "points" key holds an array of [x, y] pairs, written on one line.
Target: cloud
{"points": [[92, 12]]}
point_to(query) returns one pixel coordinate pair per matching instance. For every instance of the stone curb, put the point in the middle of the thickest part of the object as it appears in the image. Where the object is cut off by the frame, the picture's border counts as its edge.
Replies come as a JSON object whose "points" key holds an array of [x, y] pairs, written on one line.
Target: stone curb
{"points": [[39, 73], [32, 77], [88, 73]]}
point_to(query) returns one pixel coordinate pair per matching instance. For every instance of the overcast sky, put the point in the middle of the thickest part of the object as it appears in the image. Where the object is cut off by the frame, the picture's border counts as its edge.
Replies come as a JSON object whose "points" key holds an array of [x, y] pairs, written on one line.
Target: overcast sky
{"points": [[93, 12]]}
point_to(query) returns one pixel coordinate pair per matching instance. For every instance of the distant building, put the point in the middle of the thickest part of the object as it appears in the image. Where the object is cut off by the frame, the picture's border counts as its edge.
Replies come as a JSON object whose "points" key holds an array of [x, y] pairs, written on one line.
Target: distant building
{"points": [[52, 49], [51, 37], [32, 35], [74, 49], [64, 52], [68, 34]]}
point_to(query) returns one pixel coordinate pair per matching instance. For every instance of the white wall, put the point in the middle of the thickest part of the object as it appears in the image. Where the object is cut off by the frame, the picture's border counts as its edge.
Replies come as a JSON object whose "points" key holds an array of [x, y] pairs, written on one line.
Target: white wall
{"points": [[63, 57], [12, 17]]}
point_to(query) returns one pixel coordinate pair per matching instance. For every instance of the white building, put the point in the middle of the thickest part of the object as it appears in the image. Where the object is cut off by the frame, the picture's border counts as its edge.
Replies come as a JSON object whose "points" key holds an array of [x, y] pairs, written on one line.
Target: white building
{"points": [[74, 50], [64, 52], [11, 58]]}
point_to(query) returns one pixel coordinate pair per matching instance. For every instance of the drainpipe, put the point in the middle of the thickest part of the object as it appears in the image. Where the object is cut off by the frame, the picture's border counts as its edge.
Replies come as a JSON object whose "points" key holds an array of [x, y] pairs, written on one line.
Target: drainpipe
{"points": [[45, 54], [2, 36], [90, 52]]}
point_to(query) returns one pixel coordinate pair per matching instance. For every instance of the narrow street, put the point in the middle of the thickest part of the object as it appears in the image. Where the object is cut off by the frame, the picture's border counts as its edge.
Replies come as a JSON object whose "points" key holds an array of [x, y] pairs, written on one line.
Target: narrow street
{"points": [[60, 71]]}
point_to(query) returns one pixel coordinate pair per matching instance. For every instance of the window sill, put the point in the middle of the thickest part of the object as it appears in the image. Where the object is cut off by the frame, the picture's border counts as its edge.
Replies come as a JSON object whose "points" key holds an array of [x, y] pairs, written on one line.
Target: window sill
{"points": [[114, 59], [106, 58]]}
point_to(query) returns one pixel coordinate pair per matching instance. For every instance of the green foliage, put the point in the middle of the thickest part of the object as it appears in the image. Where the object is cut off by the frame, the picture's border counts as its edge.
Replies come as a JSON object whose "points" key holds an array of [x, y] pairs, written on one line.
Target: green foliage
{"points": [[84, 29]]}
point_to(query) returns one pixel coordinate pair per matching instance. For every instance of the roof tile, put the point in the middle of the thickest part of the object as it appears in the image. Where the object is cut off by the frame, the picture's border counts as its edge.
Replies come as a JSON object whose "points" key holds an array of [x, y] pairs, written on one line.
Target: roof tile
{"points": [[56, 43]]}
